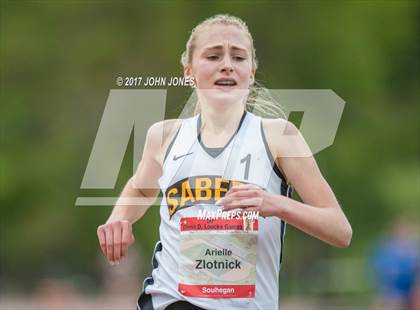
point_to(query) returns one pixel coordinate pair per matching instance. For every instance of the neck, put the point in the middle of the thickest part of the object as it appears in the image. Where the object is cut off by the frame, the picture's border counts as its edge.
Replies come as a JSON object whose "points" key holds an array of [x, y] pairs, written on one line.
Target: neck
{"points": [[218, 120]]}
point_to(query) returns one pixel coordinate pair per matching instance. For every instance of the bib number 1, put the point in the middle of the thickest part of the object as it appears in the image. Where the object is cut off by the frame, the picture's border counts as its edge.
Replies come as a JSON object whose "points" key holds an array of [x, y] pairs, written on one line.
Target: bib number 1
{"points": [[247, 161]]}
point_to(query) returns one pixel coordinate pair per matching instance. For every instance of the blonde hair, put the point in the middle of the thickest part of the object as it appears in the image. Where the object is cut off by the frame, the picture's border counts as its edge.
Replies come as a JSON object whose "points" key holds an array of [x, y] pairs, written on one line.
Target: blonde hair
{"points": [[259, 100]]}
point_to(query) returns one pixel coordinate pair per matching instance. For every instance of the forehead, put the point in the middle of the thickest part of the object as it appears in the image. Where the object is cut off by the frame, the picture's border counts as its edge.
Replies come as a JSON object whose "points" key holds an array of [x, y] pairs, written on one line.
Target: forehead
{"points": [[221, 35]]}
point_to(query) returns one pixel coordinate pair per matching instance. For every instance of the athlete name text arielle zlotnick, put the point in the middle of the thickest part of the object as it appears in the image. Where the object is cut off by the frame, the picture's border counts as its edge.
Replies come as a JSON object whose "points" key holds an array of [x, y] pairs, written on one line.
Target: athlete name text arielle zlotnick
{"points": [[218, 257]]}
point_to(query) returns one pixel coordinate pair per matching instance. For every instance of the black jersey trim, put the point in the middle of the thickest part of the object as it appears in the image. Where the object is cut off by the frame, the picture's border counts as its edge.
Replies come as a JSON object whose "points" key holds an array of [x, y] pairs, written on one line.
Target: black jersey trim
{"points": [[158, 248], [289, 191], [284, 184], [216, 151], [149, 280], [145, 302], [282, 232]]}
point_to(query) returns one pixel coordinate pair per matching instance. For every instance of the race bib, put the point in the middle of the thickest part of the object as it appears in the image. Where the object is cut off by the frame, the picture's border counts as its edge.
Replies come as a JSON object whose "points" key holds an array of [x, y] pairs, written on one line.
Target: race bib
{"points": [[218, 257]]}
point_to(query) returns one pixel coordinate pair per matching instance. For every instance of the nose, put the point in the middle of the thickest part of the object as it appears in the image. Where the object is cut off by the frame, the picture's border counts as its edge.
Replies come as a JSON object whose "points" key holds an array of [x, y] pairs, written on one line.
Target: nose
{"points": [[227, 64]]}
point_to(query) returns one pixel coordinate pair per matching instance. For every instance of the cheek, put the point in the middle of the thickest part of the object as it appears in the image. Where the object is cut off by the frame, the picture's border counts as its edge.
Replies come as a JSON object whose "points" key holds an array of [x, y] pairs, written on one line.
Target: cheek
{"points": [[204, 73], [244, 70], [244, 76]]}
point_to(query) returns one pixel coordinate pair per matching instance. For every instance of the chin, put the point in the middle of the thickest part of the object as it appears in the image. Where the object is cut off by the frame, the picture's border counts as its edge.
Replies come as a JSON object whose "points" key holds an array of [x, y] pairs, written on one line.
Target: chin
{"points": [[223, 97]]}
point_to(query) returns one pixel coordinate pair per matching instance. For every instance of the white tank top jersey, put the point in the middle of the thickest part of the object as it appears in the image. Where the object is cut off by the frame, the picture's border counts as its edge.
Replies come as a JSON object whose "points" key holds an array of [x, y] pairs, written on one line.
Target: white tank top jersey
{"points": [[203, 257]]}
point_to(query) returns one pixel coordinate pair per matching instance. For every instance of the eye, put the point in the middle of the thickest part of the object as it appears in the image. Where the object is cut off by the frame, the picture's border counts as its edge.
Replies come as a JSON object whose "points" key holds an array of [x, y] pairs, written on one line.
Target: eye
{"points": [[212, 57], [238, 58]]}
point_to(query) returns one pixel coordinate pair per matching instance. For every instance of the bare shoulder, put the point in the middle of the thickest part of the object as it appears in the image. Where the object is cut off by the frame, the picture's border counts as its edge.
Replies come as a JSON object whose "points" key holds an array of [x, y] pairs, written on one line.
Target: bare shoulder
{"points": [[159, 136], [275, 129], [149, 168], [277, 125], [284, 138]]}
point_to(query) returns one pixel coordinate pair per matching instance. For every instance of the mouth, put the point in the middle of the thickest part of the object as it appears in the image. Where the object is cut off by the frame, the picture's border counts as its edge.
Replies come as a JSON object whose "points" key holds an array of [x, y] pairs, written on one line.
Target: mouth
{"points": [[225, 83]]}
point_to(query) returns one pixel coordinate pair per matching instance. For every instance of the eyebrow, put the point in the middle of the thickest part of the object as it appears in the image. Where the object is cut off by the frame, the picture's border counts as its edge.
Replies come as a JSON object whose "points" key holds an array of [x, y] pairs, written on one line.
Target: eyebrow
{"points": [[220, 47]]}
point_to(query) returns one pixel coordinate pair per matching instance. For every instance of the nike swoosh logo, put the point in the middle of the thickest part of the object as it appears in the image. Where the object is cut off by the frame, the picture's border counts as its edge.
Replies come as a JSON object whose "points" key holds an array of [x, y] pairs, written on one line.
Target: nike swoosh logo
{"points": [[180, 156]]}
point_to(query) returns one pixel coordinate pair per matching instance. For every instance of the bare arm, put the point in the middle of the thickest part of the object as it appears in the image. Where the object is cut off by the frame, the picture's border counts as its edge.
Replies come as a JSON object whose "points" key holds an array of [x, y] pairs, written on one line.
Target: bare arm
{"points": [[132, 204], [115, 236], [320, 214]]}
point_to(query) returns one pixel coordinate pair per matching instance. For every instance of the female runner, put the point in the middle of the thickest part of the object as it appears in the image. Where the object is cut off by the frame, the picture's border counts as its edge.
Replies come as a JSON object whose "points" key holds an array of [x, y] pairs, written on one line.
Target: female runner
{"points": [[224, 158]]}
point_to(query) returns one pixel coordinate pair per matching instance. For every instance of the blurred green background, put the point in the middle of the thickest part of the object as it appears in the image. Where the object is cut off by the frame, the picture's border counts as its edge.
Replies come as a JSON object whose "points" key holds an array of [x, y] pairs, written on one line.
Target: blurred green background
{"points": [[59, 60]]}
